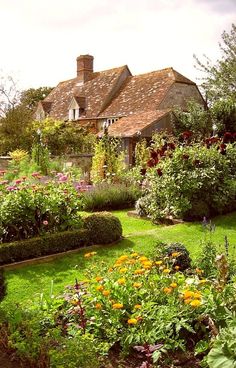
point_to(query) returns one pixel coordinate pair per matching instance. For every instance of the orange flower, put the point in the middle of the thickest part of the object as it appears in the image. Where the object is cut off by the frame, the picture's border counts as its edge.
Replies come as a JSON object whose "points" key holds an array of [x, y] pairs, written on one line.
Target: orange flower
{"points": [[98, 306], [131, 261], [137, 306], [132, 321], [121, 281], [98, 278], [188, 294], [139, 271], [137, 284], [87, 255], [175, 254], [173, 285], [117, 306], [106, 292], [199, 271], [99, 288], [147, 264], [197, 295], [167, 290], [123, 258], [177, 268], [187, 301], [195, 303]]}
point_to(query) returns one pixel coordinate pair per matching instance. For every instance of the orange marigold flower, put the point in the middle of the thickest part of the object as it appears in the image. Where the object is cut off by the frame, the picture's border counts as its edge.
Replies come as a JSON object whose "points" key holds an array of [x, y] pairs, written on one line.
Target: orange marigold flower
{"points": [[188, 294], [195, 303], [117, 306], [123, 258], [98, 278], [99, 288], [137, 284], [132, 321], [177, 268], [147, 263], [87, 255], [187, 301], [173, 285], [137, 306], [106, 292], [98, 306], [197, 295], [121, 281], [130, 261], [166, 270], [167, 290], [143, 258], [139, 271]]}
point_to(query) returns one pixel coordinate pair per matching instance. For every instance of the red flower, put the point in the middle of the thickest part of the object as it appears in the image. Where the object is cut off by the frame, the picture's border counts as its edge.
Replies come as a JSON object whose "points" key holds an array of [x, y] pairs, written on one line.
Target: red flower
{"points": [[159, 172]]}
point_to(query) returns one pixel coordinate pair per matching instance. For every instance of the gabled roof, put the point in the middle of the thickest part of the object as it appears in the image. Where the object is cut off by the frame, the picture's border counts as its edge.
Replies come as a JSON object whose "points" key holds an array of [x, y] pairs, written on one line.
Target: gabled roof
{"points": [[96, 91], [144, 92], [133, 124]]}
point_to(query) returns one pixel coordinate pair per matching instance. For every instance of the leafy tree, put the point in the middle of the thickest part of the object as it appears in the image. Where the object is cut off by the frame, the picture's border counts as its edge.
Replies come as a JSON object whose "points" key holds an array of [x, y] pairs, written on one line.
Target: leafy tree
{"points": [[220, 79], [30, 97], [224, 115]]}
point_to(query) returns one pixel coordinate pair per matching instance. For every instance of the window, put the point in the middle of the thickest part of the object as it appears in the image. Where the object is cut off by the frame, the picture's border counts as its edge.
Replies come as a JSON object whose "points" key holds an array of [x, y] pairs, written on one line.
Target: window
{"points": [[73, 114]]}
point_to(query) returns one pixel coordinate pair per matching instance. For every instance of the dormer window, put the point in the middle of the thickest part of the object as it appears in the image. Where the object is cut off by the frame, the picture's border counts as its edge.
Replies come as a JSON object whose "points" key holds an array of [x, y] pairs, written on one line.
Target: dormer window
{"points": [[76, 108]]}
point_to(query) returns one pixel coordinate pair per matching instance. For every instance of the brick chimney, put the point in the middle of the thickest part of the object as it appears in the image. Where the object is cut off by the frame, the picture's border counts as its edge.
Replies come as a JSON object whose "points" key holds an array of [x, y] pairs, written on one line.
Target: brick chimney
{"points": [[84, 68]]}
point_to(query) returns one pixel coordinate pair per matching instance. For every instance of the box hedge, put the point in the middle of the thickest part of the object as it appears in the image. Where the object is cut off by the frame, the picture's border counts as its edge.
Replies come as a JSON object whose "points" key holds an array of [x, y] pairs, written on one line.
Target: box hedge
{"points": [[103, 227]]}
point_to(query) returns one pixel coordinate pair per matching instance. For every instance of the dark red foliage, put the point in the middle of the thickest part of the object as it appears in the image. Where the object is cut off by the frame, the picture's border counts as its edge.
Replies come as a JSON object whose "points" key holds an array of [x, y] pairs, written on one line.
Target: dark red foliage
{"points": [[151, 162], [159, 172], [187, 134], [143, 171], [185, 157]]}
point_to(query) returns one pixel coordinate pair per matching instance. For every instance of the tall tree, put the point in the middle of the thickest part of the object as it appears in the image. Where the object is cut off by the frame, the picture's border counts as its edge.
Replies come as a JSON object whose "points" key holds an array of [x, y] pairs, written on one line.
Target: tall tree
{"points": [[30, 97], [220, 78]]}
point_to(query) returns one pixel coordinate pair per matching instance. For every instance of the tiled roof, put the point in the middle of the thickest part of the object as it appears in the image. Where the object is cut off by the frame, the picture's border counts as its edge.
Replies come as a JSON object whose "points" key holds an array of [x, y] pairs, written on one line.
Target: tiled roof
{"points": [[96, 92], [132, 124], [143, 92]]}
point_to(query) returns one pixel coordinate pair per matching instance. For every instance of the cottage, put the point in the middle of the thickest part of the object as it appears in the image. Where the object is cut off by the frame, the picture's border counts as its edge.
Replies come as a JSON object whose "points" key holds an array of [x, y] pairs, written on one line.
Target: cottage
{"points": [[130, 106]]}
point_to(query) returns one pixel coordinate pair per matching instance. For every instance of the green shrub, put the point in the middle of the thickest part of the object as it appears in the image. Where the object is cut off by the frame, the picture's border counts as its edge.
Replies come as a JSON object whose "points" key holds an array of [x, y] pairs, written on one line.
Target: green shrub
{"points": [[178, 254], [48, 244], [110, 197], [2, 285], [103, 227]]}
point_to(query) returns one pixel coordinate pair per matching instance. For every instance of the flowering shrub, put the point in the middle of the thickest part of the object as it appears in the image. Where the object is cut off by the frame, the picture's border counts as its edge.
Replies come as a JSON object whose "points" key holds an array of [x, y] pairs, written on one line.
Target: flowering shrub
{"points": [[190, 181], [28, 210]]}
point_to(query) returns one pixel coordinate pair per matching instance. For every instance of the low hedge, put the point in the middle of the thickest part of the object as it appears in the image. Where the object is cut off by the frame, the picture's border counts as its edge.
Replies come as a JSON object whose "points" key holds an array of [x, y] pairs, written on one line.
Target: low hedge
{"points": [[45, 245], [103, 227]]}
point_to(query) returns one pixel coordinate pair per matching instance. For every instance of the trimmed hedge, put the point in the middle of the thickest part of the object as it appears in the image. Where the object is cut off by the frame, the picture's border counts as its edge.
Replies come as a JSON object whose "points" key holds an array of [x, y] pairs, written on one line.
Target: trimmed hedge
{"points": [[3, 287], [45, 245], [103, 227]]}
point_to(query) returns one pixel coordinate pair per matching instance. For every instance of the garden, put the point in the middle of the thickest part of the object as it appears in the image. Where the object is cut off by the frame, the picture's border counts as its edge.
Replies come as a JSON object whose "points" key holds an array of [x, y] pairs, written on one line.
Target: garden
{"points": [[89, 283]]}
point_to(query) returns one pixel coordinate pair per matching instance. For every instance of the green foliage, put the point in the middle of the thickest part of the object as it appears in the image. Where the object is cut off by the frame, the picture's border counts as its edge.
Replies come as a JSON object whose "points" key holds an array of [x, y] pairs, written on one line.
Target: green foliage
{"points": [[181, 255], [110, 197], [3, 287], [219, 81], [141, 153], [223, 353], [30, 97], [224, 115], [40, 156], [44, 245], [191, 175], [197, 120], [104, 228], [108, 161]]}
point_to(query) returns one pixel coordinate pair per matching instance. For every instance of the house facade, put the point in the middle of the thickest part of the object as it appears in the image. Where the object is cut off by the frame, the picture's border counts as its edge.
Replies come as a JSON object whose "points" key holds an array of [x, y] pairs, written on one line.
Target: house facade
{"points": [[130, 106]]}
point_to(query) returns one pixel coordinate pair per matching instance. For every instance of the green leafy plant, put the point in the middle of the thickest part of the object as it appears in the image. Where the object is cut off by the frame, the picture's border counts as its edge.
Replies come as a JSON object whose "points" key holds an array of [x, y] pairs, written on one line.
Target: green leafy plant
{"points": [[103, 227]]}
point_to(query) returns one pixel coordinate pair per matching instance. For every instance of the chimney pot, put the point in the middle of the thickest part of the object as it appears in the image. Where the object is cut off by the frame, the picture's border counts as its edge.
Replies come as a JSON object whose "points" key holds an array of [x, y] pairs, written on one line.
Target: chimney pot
{"points": [[84, 68]]}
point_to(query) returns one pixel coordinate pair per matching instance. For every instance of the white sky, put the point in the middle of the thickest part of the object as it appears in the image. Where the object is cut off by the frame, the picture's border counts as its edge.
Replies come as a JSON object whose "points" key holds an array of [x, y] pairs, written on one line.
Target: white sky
{"points": [[40, 39]]}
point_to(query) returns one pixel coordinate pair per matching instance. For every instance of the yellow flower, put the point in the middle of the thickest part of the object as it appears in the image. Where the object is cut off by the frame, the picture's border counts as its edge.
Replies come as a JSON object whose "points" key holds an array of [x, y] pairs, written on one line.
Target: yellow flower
{"points": [[195, 303], [167, 290], [132, 321], [98, 278], [147, 263], [158, 263], [93, 253], [137, 306], [117, 306], [197, 295], [74, 301], [137, 284], [99, 288], [121, 281], [98, 306], [139, 271], [173, 285], [143, 258], [166, 270], [123, 270], [203, 281], [87, 255], [123, 258], [106, 292], [177, 268], [133, 255], [175, 254], [187, 301], [131, 261]]}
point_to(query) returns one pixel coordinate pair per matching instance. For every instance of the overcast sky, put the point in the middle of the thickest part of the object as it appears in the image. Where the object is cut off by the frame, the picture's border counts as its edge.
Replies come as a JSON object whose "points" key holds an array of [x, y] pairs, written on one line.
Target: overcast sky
{"points": [[40, 39]]}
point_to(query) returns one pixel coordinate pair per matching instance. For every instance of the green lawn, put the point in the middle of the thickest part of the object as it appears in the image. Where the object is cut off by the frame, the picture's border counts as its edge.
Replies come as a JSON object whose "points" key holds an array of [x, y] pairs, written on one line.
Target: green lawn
{"points": [[141, 235]]}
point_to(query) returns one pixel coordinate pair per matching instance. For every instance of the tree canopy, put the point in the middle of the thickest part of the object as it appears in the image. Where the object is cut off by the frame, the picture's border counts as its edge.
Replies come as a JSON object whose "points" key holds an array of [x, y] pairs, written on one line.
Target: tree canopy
{"points": [[220, 78]]}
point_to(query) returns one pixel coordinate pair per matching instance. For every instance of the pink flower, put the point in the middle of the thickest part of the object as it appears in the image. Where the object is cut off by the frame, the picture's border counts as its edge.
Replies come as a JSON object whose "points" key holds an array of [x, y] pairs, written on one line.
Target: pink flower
{"points": [[18, 181], [35, 174], [45, 222]]}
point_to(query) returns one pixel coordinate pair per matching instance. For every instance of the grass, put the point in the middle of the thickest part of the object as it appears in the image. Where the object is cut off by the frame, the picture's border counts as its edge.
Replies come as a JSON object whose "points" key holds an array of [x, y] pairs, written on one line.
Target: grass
{"points": [[140, 235]]}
